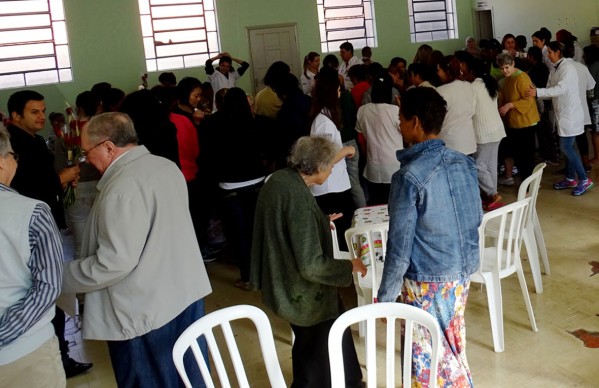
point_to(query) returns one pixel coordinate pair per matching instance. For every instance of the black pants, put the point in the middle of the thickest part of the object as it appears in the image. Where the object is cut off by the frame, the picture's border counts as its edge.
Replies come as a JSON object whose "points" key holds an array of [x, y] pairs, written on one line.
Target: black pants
{"points": [[338, 203], [582, 142], [310, 357], [520, 144], [378, 193], [58, 323], [239, 208]]}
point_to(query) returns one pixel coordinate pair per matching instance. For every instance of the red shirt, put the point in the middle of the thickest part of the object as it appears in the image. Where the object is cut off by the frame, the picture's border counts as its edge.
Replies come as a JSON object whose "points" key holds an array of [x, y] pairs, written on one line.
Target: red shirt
{"points": [[189, 145], [358, 92]]}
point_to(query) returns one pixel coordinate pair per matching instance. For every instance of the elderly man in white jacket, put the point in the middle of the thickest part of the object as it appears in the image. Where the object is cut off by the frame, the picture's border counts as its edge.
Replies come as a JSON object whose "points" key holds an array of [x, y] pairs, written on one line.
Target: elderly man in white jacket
{"points": [[562, 88], [142, 270]]}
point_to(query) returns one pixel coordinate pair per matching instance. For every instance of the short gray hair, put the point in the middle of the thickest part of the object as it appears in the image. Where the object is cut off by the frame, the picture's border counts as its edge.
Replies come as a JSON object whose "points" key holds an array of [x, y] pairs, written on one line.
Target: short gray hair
{"points": [[4, 141], [504, 59], [312, 154], [114, 126]]}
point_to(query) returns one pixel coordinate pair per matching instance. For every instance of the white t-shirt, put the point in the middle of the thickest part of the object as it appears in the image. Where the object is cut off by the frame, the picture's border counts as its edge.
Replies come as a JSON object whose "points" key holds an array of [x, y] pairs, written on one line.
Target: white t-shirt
{"points": [[379, 123], [458, 130], [344, 68], [338, 181], [307, 81]]}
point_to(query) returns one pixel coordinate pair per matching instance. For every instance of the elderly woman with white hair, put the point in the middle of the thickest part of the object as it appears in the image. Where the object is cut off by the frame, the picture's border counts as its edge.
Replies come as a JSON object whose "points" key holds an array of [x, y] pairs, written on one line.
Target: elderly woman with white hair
{"points": [[293, 264], [471, 47]]}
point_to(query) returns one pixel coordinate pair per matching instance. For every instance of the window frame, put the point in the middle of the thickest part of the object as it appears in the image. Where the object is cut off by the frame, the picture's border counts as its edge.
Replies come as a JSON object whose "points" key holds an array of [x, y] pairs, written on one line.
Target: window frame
{"points": [[34, 44], [332, 36], [433, 33], [186, 53]]}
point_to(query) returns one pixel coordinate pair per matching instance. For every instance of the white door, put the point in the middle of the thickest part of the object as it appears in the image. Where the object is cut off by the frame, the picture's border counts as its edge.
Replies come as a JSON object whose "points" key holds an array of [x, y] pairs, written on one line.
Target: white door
{"points": [[271, 44]]}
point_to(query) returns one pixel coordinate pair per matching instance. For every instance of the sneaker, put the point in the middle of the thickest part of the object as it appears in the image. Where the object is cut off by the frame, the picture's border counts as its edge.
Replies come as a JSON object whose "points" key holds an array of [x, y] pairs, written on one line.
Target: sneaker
{"points": [[505, 181], [73, 368], [565, 184], [582, 187]]}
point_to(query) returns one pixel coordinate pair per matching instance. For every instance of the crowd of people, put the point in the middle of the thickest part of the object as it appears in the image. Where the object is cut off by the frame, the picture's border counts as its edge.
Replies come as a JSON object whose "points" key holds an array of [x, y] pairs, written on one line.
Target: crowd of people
{"points": [[151, 172]]}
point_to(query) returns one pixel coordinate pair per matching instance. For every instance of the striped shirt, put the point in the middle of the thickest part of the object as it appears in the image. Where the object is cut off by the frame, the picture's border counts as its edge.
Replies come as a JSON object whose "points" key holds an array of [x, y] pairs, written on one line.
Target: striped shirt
{"points": [[45, 264]]}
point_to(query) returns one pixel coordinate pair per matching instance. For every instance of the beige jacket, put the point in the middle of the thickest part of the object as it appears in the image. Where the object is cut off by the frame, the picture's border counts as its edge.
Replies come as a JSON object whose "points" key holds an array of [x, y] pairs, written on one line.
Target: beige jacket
{"points": [[142, 264]]}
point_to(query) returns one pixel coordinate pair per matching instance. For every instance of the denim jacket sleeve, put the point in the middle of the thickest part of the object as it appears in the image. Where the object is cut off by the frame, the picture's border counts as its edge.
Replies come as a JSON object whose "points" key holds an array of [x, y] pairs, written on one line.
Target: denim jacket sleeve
{"points": [[403, 215]]}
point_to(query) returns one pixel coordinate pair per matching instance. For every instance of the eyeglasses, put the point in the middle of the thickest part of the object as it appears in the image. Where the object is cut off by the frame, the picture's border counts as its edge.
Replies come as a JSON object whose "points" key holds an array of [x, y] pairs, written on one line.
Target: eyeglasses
{"points": [[84, 154], [14, 155]]}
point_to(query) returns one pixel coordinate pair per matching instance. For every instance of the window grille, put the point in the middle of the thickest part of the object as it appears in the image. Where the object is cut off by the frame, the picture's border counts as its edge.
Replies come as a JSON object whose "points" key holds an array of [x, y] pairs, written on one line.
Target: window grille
{"points": [[432, 20], [346, 20], [34, 46], [178, 33]]}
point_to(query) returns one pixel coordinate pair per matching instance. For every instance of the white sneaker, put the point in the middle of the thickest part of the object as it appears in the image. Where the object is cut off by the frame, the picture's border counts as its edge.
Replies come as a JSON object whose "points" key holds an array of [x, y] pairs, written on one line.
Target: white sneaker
{"points": [[505, 181]]}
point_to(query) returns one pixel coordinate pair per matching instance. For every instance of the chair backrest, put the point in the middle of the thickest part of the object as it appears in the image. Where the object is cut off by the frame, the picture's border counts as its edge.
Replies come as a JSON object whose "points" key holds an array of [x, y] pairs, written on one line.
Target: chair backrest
{"points": [[391, 311], [205, 325], [530, 188], [511, 219], [370, 244]]}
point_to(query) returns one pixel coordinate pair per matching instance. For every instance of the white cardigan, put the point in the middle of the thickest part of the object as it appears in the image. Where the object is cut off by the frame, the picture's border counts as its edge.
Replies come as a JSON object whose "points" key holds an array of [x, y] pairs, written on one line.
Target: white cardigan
{"points": [[488, 127], [458, 130]]}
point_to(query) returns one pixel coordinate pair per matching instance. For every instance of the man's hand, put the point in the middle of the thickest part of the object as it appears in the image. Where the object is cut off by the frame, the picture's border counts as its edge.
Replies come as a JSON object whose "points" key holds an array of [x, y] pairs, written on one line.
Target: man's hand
{"points": [[69, 175]]}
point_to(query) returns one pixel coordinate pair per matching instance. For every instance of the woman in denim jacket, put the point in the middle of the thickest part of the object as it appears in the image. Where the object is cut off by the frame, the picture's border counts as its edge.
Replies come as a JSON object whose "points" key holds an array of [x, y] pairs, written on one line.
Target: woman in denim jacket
{"points": [[435, 211]]}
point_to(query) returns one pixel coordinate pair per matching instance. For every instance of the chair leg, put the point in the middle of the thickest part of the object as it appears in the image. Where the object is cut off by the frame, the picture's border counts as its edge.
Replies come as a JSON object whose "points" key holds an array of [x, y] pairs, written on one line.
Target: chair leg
{"points": [[541, 242], [493, 285], [533, 257], [362, 300], [522, 279]]}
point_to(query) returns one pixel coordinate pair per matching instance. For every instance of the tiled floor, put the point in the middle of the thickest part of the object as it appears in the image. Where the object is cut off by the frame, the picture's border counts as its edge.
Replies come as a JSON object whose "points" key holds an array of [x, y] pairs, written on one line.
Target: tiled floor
{"points": [[550, 358]]}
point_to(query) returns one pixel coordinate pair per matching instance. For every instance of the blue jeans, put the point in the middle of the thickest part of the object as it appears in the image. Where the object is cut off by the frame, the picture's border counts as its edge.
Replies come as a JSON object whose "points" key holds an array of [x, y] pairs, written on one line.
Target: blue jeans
{"points": [[78, 213], [147, 361], [573, 161], [354, 176]]}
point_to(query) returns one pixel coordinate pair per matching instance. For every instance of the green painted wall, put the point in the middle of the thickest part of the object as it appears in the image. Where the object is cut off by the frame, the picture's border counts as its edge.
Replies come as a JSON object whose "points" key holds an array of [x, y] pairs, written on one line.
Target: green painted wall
{"points": [[105, 39]]}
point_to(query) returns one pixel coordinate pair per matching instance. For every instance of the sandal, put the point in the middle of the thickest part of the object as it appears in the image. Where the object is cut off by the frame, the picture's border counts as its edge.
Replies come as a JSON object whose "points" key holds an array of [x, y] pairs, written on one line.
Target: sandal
{"points": [[246, 286]]}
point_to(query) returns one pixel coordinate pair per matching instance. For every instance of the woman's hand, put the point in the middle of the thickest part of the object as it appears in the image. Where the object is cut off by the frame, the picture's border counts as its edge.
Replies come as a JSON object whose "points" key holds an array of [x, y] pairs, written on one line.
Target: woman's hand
{"points": [[504, 109], [335, 216], [349, 151], [198, 115], [532, 91], [358, 266]]}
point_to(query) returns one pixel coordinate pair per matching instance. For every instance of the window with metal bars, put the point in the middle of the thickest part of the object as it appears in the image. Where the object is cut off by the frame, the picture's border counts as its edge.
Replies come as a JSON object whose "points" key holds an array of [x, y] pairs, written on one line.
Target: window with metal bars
{"points": [[346, 21], [432, 20], [178, 33], [34, 46]]}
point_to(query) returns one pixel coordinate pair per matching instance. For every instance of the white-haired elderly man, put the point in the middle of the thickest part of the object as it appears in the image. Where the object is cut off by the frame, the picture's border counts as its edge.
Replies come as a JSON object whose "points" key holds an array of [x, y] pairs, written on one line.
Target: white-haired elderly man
{"points": [[30, 277], [141, 267]]}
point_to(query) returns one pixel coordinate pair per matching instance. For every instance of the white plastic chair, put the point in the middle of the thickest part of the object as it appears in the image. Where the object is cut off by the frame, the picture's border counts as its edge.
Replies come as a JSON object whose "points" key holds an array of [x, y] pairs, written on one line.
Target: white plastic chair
{"points": [[501, 260], [391, 311], [532, 235], [223, 317], [535, 225], [374, 240]]}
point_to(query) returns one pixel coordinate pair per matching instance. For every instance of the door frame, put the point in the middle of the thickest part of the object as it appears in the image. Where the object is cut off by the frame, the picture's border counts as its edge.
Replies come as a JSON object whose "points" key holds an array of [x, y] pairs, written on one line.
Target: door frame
{"points": [[266, 27]]}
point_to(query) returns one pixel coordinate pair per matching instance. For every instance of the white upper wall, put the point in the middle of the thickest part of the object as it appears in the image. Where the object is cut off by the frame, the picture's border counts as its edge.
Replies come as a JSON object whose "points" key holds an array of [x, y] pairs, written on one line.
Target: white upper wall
{"points": [[524, 17]]}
